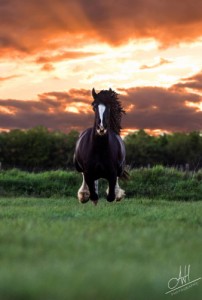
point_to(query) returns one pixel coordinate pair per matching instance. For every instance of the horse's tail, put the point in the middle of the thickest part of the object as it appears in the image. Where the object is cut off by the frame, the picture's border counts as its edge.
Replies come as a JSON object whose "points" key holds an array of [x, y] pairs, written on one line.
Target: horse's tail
{"points": [[125, 175]]}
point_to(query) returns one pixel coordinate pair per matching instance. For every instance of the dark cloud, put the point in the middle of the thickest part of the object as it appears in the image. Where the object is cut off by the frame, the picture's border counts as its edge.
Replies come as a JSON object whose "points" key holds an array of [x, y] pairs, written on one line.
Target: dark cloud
{"points": [[147, 107], [49, 111], [161, 108], [36, 25], [194, 82]]}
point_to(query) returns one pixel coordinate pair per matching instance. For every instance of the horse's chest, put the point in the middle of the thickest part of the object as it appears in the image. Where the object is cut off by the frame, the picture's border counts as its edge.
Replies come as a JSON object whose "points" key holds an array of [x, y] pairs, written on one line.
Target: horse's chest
{"points": [[100, 164]]}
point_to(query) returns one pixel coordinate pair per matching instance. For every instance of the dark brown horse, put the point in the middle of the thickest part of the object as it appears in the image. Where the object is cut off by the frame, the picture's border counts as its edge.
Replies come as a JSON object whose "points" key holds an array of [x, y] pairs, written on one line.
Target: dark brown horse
{"points": [[100, 151]]}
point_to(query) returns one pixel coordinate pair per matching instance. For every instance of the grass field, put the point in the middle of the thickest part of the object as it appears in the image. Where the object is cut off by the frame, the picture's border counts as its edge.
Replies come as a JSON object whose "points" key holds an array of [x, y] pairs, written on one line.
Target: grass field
{"points": [[60, 249]]}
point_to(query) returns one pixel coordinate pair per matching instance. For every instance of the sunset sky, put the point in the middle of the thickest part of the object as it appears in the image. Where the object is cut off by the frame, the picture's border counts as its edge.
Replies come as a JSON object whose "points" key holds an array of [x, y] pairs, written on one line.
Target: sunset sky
{"points": [[53, 52]]}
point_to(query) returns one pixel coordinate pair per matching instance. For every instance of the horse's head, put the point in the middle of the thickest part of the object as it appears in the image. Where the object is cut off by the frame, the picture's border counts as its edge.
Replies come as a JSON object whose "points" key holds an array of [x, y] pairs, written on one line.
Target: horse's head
{"points": [[102, 114]]}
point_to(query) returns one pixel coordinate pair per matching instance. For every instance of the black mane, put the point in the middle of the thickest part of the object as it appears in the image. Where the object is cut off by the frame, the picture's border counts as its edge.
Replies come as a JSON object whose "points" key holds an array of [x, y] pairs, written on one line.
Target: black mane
{"points": [[109, 97]]}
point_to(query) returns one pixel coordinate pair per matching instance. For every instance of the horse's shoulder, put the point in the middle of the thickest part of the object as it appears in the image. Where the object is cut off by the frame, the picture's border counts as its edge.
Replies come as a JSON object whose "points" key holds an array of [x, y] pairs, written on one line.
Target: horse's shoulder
{"points": [[86, 132], [115, 136], [120, 146], [84, 138]]}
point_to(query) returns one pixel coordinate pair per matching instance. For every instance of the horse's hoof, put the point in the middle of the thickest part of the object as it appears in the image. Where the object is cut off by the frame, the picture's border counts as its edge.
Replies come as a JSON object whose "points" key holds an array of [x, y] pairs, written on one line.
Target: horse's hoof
{"points": [[94, 197], [83, 201], [83, 197], [110, 198], [120, 194], [95, 202]]}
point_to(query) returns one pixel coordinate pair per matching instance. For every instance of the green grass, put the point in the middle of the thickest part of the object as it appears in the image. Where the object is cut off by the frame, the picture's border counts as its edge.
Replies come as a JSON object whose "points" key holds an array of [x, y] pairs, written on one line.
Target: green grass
{"points": [[155, 183], [60, 249]]}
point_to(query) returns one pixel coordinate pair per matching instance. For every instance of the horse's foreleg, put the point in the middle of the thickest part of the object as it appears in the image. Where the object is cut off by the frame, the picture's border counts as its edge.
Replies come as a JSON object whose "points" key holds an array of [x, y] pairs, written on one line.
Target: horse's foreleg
{"points": [[83, 193], [111, 189], [93, 188]]}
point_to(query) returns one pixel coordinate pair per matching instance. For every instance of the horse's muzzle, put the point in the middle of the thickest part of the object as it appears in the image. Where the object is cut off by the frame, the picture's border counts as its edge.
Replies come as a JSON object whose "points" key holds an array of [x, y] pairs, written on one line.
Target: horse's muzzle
{"points": [[101, 130]]}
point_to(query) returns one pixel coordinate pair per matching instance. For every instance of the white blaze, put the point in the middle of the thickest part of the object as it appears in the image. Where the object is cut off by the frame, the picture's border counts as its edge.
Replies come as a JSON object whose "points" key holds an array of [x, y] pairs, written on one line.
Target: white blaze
{"points": [[101, 109]]}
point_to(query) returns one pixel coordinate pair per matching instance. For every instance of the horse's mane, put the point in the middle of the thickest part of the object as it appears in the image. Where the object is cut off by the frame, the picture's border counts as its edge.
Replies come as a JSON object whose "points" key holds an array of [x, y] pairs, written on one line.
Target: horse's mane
{"points": [[110, 97]]}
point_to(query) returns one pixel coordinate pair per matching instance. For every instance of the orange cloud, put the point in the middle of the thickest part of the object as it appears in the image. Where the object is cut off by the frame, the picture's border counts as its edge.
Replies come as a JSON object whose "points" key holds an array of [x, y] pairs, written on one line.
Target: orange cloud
{"points": [[8, 77], [156, 65], [47, 67], [63, 56], [35, 25]]}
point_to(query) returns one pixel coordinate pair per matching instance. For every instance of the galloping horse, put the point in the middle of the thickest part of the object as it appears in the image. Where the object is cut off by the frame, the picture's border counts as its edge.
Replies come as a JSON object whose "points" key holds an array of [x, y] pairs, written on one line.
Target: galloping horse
{"points": [[100, 151]]}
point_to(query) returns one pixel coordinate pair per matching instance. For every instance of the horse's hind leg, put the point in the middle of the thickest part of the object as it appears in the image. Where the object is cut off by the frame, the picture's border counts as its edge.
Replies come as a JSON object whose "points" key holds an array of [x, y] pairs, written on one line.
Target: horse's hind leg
{"points": [[93, 188], [83, 192], [96, 186], [119, 193]]}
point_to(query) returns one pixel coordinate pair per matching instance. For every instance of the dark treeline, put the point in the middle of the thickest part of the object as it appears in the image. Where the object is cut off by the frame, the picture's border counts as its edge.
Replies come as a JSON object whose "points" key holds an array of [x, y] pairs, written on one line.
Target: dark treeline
{"points": [[38, 149], [181, 150]]}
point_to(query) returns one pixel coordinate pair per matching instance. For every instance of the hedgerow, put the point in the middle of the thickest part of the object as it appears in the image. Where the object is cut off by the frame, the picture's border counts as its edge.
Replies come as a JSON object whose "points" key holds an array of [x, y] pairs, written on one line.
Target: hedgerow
{"points": [[157, 182]]}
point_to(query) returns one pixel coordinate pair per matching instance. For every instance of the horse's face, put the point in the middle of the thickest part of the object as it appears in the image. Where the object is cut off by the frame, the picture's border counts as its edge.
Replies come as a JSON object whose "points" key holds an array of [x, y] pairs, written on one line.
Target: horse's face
{"points": [[101, 118]]}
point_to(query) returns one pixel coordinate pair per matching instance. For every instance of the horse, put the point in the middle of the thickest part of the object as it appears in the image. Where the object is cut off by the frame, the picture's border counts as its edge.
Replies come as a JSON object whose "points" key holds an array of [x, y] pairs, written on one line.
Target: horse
{"points": [[100, 151]]}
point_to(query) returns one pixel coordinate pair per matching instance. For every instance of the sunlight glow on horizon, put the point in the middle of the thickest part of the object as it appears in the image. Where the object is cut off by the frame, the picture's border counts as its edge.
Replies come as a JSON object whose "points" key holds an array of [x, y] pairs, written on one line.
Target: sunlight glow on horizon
{"points": [[152, 132], [78, 107], [116, 67], [75, 71], [7, 110], [197, 106]]}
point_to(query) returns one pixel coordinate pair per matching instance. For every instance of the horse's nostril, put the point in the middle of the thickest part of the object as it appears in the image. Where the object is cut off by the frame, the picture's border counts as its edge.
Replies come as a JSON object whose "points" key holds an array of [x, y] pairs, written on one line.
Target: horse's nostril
{"points": [[101, 130]]}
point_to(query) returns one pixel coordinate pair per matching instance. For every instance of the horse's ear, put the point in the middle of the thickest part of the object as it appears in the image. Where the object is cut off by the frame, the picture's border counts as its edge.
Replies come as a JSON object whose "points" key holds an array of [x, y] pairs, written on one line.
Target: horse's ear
{"points": [[94, 93], [110, 90]]}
